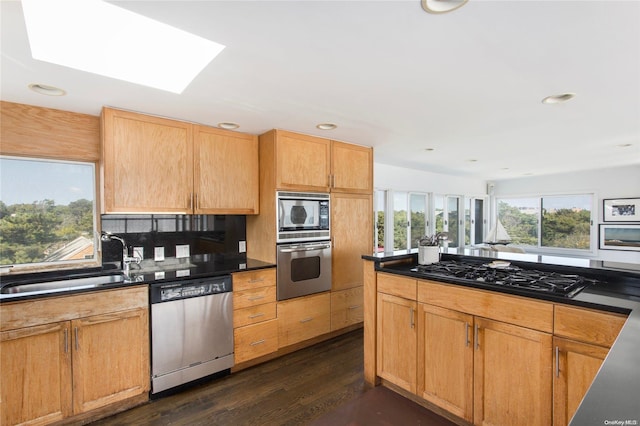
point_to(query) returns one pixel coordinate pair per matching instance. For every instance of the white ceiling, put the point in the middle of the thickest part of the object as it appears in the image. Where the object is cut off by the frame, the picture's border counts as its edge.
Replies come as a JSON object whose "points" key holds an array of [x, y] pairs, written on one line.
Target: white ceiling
{"points": [[468, 84]]}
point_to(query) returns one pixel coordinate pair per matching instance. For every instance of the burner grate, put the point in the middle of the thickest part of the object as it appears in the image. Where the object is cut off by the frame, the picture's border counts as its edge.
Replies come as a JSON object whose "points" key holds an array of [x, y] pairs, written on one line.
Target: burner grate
{"points": [[567, 285]]}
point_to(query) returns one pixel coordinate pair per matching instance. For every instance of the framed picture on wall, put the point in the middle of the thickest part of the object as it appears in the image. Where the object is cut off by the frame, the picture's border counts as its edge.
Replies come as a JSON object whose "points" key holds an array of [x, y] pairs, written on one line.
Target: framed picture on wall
{"points": [[620, 237], [621, 210]]}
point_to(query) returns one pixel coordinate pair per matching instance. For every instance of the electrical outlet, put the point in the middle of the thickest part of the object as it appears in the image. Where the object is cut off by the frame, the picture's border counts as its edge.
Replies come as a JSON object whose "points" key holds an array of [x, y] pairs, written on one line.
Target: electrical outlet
{"points": [[158, 253], [138, 252], [242, 247], [182, 251]]}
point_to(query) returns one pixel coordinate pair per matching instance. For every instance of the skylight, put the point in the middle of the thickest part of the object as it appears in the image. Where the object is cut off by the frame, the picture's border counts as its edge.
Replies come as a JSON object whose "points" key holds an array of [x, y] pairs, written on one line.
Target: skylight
{"points": [[104, 39]]}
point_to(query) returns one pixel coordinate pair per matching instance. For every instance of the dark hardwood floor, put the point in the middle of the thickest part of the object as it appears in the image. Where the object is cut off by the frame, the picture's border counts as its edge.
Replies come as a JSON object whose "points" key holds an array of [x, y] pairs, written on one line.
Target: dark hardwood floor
{"points": [[296, 389]]}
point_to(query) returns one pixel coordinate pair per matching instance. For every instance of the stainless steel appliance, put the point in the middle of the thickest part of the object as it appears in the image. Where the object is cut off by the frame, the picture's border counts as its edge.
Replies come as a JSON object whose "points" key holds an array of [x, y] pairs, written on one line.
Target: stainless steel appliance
{"points": [[191, 330], [303, 268], [302, 216]]}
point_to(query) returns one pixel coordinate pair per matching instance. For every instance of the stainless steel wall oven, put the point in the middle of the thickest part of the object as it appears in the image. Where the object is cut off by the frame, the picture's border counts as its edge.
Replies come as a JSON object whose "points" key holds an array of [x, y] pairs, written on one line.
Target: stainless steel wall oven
{"points": [[303, 244]]}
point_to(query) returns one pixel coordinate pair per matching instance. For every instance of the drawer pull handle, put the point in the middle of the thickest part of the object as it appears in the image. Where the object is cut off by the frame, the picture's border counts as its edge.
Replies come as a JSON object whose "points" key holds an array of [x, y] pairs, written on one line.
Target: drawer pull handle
{"points": [[306, 320], [354, 307], [259, 342], [255, 298], [256, 280], [258, 315]]}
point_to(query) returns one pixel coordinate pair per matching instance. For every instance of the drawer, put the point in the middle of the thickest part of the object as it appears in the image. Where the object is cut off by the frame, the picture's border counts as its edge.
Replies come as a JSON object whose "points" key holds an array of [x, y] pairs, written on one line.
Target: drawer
{"points": [[253, 297], [347, 307], [303, 318], [254, 314], [587, 325], [522, 311], [252, 279], [397, 285], [253, 341]]}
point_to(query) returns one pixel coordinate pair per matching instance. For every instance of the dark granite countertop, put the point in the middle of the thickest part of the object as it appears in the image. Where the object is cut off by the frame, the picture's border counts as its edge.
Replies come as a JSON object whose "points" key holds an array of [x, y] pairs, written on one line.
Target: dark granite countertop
{"points": [[613, 395], [171, 270]]}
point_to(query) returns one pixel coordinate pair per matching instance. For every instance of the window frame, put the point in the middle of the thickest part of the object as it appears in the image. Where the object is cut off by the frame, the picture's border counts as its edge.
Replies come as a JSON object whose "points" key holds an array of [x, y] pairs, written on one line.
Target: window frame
{"points": [[66, 264]]}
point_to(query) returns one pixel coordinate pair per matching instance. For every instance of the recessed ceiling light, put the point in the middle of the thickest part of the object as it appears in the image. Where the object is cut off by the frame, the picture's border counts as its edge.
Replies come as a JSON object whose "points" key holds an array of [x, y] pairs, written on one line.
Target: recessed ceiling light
{"points": [[114, 42], [624, 145], [442, 6], [43, 89], [326, 126], [558, 99], [505, 168], [472, 160], [429, 149], [228, 125]]}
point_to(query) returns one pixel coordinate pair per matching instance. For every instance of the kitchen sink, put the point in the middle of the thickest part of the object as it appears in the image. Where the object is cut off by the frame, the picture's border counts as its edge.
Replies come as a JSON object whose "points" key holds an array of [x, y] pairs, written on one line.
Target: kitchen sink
{"points": [[55, 286]]}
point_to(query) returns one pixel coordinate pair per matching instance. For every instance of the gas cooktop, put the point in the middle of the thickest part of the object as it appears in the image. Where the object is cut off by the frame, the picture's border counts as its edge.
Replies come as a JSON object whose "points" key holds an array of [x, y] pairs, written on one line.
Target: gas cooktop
{"points": [[503, 274]]}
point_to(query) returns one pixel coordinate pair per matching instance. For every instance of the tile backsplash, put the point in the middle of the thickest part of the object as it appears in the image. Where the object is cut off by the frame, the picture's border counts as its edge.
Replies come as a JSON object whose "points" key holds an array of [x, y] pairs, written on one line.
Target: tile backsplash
{"points": [[204, 234]]}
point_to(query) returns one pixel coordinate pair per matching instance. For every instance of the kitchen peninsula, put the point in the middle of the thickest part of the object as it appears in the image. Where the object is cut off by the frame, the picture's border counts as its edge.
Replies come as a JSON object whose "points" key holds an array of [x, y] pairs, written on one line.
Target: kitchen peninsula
{"points": [[481, 352]]}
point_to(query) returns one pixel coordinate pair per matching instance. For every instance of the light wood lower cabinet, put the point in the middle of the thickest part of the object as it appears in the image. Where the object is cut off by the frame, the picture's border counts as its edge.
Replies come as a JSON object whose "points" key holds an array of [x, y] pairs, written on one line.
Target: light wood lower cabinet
{"points": [[65, 356], [576, 365], [397, 341], [36, 374], [512, 375], [347, 307], [255, 328], [303, 318], [445, 359]]}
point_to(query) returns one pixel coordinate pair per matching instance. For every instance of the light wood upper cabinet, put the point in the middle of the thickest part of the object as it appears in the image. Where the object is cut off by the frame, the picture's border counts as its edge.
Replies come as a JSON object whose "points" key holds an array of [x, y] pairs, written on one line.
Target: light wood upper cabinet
{"points": [[36, 374], [157, 165], [147, 163], [352, 235], [351, 168], [302, 162], [226, 172]]}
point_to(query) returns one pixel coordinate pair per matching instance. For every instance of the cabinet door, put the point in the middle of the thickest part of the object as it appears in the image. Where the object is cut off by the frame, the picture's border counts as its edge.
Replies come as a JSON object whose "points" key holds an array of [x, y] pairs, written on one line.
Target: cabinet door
{"points": [[397, 341], [512, 375], [352, 168], [225, 172], [148, 163], [352, 233], [445, 359], [36, 374], [576, 366], [303, 162], [110, 358]]}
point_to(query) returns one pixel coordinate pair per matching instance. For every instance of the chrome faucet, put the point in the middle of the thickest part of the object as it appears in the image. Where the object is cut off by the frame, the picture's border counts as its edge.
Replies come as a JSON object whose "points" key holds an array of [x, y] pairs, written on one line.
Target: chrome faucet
{"points": [[126, 259]]}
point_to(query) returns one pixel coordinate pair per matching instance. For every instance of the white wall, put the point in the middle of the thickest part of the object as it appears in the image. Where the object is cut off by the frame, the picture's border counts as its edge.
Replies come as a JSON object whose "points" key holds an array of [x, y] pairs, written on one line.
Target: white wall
{"points": [[619, 182], [403, 179]]}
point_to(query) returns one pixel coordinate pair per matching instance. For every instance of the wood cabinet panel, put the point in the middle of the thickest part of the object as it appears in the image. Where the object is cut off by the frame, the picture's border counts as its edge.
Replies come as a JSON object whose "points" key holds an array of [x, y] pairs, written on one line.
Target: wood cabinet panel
{"points": [[48, 133], [110, 358], [36, 374], [254, 314], [351, 229], [576, 366], [255, 340], [147, 162], [347, 307], [516, 310], [445, 359], [253, 279], [302, 162], [303, 318], [512, 375], [397, 341], [225, 172], [397, 285], [351, 168], [586, 325], [253, 297]]}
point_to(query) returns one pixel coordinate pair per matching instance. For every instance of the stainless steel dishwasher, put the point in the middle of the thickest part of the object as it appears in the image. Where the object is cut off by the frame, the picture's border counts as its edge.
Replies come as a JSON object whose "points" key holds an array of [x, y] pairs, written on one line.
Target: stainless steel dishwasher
{"points": [[191, 330]]}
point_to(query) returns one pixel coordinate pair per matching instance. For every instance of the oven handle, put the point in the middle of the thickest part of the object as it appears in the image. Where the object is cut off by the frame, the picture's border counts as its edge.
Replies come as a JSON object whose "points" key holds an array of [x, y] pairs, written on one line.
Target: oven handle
{"points": [[305, 248]]}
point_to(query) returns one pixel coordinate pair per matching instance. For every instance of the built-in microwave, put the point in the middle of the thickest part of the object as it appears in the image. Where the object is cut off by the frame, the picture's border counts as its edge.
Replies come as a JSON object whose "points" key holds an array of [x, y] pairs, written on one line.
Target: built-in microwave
{"points": [[302, 216]]}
